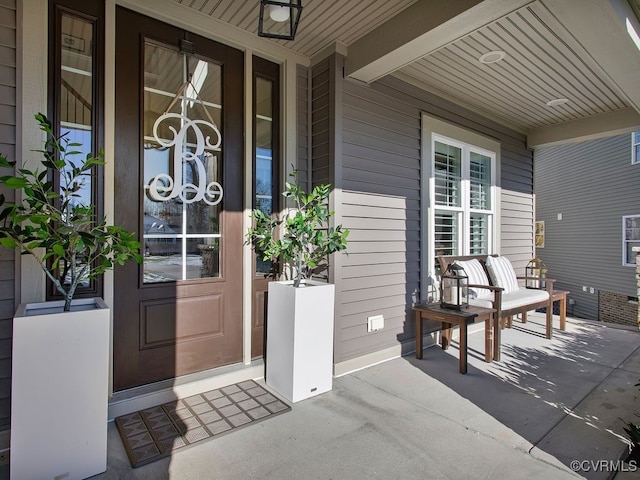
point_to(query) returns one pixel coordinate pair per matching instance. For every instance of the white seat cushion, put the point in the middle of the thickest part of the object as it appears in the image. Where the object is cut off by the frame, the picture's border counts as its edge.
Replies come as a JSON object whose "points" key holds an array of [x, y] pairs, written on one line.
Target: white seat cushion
{"points": [[477, 276], [523, 296], [502, 274], [481, 302]]}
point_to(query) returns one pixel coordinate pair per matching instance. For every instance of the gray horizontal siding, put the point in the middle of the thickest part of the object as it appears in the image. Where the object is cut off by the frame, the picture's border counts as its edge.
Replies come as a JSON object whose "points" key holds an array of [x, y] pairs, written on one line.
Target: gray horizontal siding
{"points": [[303, 141], [380, 142], [592, 184], [8, 96], [381, 206], [321, 110]]}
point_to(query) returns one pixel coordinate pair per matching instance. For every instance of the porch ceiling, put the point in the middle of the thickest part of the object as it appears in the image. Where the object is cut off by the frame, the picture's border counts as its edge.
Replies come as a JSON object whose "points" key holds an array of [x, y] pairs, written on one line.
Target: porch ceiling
{"points": [[580, 50]]}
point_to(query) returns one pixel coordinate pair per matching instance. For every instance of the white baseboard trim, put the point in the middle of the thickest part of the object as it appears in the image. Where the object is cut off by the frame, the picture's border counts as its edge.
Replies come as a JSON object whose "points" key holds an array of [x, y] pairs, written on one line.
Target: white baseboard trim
{"points": [[133, 400], [370, 359]]}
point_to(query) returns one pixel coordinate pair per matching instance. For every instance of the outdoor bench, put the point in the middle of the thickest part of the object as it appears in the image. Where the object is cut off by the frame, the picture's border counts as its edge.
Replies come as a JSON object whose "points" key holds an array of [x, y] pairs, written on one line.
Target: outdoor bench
{"points": [[493, 284]]}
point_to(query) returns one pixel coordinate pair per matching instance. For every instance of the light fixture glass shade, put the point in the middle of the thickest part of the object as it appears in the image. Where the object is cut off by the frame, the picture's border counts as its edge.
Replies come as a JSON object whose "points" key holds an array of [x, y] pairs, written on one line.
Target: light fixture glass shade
{"points": [[279, 18], [557, 102], [492, 56], [279, 14]]}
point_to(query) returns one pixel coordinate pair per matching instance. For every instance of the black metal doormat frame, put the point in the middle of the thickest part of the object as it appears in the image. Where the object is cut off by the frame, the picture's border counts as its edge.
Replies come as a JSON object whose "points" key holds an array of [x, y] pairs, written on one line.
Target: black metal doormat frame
{"points": [[157, 432]]}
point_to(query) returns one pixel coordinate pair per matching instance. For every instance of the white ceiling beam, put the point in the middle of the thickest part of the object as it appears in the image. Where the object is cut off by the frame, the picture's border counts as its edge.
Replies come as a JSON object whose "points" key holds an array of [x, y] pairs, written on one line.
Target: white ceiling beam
{"points": [[590, 128], [606, 30], [421, 29]]}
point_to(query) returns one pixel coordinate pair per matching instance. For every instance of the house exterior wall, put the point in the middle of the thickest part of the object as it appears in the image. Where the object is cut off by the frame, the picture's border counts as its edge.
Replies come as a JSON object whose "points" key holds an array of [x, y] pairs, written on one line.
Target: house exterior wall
{"points": [[365, 141], [378, 168], [8, 112], [592, 184]]}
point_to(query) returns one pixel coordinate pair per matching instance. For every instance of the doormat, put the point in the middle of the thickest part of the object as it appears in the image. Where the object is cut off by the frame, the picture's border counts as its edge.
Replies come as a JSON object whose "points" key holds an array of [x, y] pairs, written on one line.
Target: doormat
{"points": [[157, 432]]}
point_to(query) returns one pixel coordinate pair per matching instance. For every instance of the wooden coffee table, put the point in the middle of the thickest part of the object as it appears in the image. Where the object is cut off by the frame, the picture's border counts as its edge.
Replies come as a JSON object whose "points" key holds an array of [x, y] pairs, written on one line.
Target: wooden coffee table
{"points": [[462, 318]]}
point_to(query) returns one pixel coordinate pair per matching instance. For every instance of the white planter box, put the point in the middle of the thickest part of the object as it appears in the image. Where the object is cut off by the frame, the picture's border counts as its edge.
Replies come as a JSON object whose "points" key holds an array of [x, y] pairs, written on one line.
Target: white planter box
{"points": [[59, 390], [300, 339]]}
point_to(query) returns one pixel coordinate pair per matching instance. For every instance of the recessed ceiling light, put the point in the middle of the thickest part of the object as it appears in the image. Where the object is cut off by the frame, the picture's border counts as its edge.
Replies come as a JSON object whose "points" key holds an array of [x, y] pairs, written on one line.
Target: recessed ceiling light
{"points": [[556, 102], [492, 57]]}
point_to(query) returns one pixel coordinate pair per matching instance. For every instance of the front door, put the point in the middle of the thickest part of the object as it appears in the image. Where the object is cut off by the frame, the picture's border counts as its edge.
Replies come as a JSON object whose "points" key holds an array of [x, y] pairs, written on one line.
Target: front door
{"points": [[178, 183]]}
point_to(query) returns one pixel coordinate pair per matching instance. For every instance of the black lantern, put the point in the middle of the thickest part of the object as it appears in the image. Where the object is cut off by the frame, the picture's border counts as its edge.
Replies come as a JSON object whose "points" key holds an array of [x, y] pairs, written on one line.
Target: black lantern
{"points": [[454, 288], [535, 274], [279, 18]]}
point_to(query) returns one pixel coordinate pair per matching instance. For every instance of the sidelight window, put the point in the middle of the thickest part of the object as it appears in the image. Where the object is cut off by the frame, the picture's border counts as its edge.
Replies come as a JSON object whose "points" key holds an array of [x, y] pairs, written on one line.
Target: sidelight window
{"points": [[265, 141], [75, 102]]}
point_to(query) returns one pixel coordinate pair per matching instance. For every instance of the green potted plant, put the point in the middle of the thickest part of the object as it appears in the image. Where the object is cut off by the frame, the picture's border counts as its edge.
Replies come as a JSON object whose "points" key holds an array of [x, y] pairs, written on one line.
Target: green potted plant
{"points": [[60, 355], [50, 225], [301, 239], [300, 311]]}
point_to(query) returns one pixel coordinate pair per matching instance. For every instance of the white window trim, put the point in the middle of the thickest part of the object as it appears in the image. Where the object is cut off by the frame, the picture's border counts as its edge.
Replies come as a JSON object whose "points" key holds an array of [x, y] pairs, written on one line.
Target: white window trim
{"points": [[624, 241], [433, 128], [634, 158]]}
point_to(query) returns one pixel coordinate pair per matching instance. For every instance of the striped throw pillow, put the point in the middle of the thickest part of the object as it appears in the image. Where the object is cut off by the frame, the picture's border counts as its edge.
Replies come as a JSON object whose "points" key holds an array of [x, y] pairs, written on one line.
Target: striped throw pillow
{"points": [[477, 276], [502, 273]]}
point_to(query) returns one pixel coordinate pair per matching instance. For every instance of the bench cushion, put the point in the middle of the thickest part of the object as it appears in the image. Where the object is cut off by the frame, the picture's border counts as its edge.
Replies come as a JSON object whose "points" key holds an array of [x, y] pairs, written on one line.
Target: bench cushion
{"points": [[477, 276], [523, 296], [481, 302], [511, 300], [502, 274]]}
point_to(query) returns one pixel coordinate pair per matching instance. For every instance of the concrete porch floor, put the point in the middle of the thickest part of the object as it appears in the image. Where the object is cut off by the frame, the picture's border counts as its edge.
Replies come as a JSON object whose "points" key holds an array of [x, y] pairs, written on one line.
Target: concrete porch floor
{"points": [[546, 404]]}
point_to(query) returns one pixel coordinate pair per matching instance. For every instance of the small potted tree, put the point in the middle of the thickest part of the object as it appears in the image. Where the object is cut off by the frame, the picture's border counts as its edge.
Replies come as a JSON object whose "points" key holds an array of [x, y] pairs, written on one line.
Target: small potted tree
{"points": [[300, 311], [60, 358]]}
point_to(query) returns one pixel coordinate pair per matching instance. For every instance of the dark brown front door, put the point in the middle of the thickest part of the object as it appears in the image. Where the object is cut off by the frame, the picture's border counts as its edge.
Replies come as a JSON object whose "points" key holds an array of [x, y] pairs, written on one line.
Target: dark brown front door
{"points": [[179, 184]]}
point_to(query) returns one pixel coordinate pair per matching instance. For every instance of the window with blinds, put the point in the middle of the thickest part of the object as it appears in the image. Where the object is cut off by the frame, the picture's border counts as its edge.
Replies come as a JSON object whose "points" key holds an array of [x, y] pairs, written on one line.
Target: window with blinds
{"points": [[463, 190], [446, 229], [479, 234], [480, 181], [448, 174]]}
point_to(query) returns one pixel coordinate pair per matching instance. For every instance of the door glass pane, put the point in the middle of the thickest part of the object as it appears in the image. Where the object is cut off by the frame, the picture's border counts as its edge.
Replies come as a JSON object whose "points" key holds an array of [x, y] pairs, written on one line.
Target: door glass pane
{"points": [[76, 103], [182, 166], [264, 155], [448, 175]]}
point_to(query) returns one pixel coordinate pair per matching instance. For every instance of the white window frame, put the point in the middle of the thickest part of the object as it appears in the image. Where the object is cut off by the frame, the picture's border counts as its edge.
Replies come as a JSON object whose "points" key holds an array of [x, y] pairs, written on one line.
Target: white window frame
{"points": [[635, 143], [464, 211], [625, 241], [436, 130]]}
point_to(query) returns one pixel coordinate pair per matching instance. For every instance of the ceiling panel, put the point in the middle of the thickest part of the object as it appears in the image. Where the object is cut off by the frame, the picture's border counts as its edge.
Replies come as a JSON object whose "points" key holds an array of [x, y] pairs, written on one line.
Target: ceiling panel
{"points": [[322, 21], [544, 61], [540, 65]]}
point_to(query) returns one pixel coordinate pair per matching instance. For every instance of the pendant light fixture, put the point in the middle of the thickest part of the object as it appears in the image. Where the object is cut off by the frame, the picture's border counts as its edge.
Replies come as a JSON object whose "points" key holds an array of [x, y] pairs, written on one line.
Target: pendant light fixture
{"points": [[279, 18]]}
